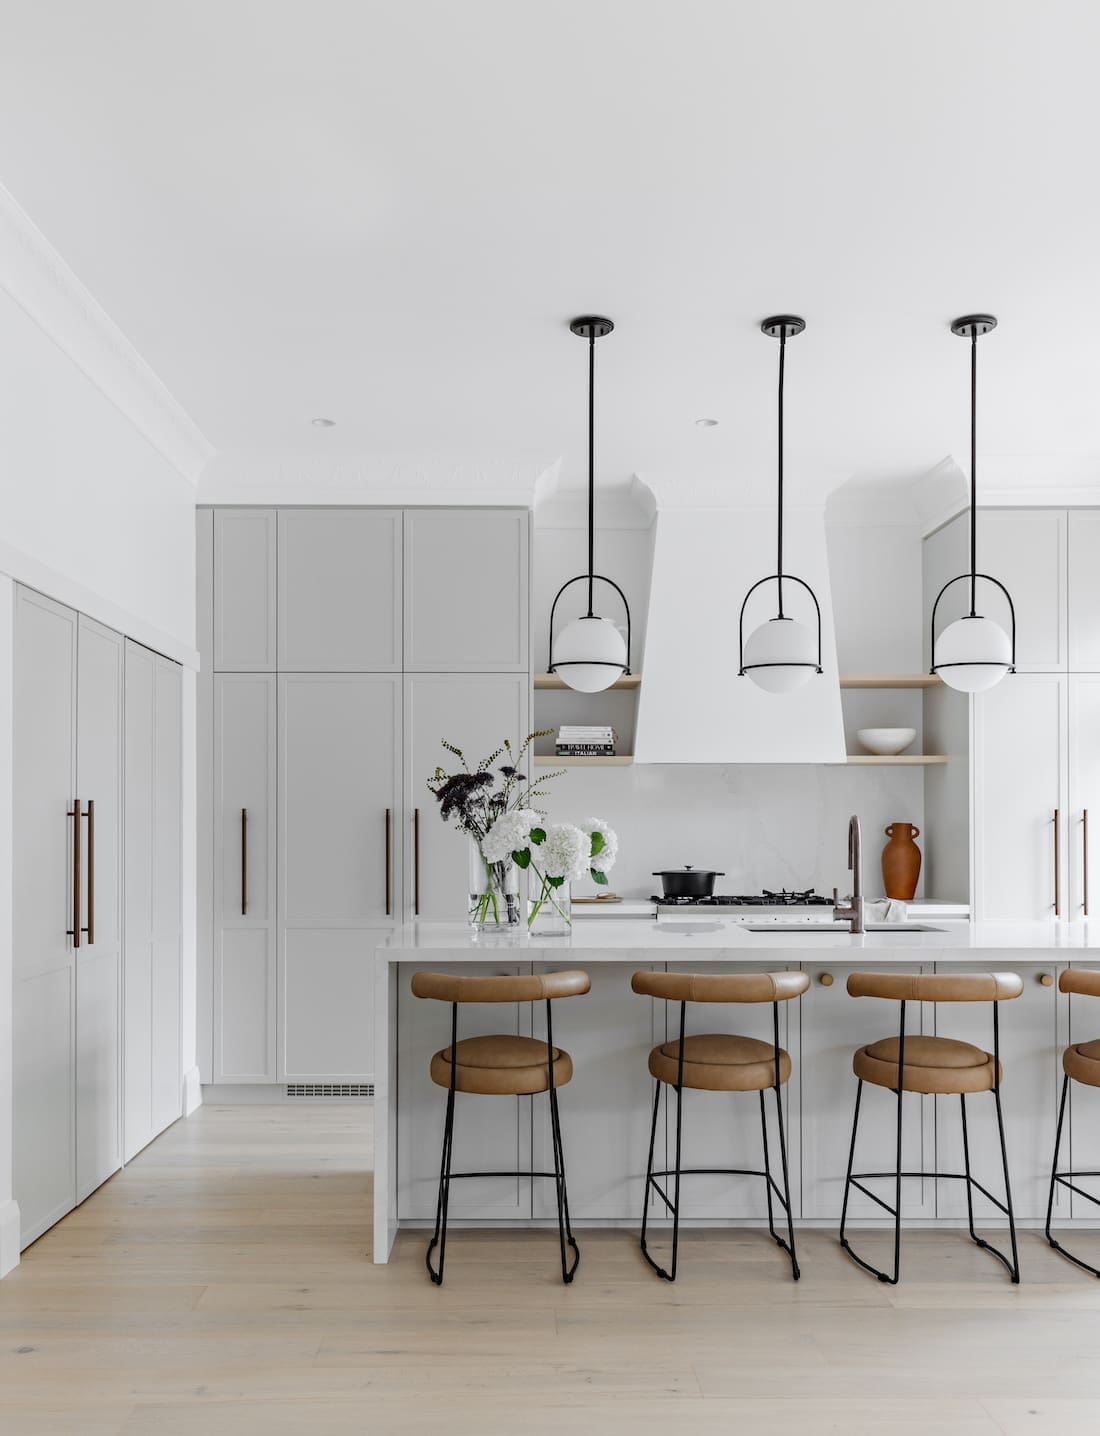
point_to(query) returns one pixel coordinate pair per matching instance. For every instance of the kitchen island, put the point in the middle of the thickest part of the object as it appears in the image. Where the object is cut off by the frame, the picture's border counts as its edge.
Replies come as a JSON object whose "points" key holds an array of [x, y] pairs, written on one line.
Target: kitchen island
{"points": [[606, 1108]]}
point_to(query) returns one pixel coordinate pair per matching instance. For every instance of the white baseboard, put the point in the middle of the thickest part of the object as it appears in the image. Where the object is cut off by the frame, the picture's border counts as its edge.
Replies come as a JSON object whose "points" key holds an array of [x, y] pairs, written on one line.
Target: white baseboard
{"points": [[192, 1091], [239, 1094], [9, 1236]]}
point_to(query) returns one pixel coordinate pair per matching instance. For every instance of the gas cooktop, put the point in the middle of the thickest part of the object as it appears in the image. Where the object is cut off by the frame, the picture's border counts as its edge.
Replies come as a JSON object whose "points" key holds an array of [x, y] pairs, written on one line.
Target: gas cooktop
{"points": [[783, 898]]}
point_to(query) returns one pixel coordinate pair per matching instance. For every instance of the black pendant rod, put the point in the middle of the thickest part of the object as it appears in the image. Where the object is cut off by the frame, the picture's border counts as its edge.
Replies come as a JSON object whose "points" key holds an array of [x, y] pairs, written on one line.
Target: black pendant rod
{"points": [[974, 468], [591, 464], [779, 544]]}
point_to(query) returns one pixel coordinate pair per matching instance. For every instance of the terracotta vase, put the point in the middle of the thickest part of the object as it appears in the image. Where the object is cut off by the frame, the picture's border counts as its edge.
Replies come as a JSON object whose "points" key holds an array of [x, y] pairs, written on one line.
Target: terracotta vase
{"points": [[901, 861]]}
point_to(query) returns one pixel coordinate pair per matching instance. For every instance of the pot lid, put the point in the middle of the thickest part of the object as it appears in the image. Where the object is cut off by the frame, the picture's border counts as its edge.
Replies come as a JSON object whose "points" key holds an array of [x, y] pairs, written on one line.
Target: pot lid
{"points": [[693, 872]]}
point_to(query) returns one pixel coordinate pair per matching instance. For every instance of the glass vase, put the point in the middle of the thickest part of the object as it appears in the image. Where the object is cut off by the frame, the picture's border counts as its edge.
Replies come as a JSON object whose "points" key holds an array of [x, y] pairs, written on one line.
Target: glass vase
{"points": [[549, 909], [494, 892]]}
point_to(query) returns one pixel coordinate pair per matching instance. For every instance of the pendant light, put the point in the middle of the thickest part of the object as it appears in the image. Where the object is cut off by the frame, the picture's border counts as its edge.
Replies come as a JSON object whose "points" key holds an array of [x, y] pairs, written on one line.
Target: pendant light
{"points": [[590, 653], [974, 652], [782, 653]]}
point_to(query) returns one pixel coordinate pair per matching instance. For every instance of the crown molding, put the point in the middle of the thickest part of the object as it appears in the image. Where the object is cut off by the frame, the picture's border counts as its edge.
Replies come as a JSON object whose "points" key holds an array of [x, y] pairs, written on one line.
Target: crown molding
{"points": [[45, 288]]}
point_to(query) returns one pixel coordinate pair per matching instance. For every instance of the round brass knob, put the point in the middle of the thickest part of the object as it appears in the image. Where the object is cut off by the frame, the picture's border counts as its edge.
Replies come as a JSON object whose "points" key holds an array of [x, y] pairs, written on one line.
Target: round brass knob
{"points": [[826, 979], [1046, 979]]}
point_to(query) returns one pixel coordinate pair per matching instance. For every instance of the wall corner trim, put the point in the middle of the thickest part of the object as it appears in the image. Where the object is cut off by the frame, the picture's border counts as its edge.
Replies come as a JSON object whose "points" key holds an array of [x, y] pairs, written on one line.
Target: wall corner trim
{"points": [[9, 1236], [37, 278], [192, 1091]]}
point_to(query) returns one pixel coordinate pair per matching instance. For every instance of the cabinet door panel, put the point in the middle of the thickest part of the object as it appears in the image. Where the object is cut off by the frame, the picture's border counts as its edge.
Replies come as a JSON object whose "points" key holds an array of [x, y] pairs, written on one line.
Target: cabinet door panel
{"points": [[339, 590], [244, 957], [491, 1134], [1081, 1136], [138, 865], [244, 590], [833, 1026], [1084, 590], [167, 1075], [1019, 782], [98, 967], [1030, 1057], [475, 712], [466, 590], [43, 989], [1084, 795], [327, 997], [1026, 550]]}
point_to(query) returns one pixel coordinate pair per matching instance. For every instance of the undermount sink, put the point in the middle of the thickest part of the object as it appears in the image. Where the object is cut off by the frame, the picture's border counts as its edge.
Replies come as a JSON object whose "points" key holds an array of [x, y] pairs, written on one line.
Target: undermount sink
{"points": [[815, 928]]}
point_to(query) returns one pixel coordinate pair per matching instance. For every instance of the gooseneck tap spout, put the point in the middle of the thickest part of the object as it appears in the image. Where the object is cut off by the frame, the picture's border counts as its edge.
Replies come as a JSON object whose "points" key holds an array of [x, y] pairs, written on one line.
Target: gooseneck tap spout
{"points": [[852, 911]]}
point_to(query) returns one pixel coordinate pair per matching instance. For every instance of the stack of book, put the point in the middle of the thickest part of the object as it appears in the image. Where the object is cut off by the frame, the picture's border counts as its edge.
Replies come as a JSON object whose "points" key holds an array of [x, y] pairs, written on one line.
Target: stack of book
{"points": [[578, 741]]}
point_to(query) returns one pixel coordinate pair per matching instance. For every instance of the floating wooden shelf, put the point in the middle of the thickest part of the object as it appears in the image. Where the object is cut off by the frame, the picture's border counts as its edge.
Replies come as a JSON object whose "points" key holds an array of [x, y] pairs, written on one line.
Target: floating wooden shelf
{"points": [[552, 680], [620, 760], [894, 760], [890, 680]]}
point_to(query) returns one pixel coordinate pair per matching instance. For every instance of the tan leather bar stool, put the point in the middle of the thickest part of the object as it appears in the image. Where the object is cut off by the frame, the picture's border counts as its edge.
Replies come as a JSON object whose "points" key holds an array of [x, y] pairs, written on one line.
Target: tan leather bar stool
{"points": [[500, 1065], [719, 1062], [941, 1066], [1081, 1062]]}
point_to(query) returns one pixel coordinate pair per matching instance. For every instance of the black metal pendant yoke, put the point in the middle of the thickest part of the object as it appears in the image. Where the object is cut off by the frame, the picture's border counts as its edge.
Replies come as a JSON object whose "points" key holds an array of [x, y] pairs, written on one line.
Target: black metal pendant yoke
{"points": [[781, 327]]}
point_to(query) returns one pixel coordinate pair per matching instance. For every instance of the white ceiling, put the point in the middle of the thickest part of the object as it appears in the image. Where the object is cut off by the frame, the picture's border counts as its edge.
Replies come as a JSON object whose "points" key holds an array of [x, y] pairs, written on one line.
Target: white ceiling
{"points": [[386, 213]]}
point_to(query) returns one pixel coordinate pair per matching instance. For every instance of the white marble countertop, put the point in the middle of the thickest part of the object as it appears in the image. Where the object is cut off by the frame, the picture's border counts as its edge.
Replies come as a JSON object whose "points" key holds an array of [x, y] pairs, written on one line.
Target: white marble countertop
{"points": [[639, 938]]}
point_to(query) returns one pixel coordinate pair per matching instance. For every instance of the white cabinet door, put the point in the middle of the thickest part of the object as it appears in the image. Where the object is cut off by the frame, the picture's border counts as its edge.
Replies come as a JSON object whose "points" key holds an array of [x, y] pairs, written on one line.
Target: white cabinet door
{"points": [[491, 1134], [1026, 550], [1083, 858], [338, 796], [244, 590], [1084, 590], [166, 1065], [44, 987], [467, 582], [1030, 1058], [833, 1026], [1019, 778], [99, 960], [339, 591], [475, 712], [608, 1033], [244, 877]]}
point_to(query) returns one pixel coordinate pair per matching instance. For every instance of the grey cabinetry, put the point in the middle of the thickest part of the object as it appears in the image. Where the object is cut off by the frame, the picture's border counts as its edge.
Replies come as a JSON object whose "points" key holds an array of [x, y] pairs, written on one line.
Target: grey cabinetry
{"points": [[244, 570], [466, 590], [475, 712], [339, 591], [66, 911], [151, 957], [244, 877], [338, 798]]}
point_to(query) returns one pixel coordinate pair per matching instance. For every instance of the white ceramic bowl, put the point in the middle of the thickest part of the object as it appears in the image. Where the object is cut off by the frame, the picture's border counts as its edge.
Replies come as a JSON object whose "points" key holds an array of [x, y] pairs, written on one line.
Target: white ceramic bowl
{"points": [[886, 741]]}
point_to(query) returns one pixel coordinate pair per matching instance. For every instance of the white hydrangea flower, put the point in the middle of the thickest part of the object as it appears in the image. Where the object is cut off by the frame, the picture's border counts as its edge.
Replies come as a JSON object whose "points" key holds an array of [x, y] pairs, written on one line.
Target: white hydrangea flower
{"points": [[565, 852], [604, 860], [510, 833]]}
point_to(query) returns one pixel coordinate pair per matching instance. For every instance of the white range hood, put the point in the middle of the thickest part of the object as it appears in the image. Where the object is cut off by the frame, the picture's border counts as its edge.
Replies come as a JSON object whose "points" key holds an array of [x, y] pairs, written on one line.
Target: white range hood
{"points": [[693, 707]]}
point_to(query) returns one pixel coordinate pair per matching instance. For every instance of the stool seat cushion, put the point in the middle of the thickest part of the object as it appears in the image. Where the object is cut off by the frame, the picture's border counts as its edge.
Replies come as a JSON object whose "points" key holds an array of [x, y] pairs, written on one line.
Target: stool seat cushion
{"points": [[501, 1065], [720, 1062], [1082, 1062], [932, 1065]]}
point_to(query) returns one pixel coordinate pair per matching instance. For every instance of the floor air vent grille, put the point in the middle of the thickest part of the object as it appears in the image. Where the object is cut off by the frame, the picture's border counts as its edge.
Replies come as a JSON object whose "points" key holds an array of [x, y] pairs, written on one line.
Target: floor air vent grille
{"points": [[330, 1089]]}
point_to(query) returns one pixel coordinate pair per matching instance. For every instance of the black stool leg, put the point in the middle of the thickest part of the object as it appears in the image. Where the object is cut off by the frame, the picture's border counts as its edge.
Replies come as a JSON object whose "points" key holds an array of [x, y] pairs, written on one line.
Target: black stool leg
{"points": [[795, 1271], [851, 1164], [657, 1084], [1054, 1163], [1014, 1268], [565, 1228], [439, 1238]]}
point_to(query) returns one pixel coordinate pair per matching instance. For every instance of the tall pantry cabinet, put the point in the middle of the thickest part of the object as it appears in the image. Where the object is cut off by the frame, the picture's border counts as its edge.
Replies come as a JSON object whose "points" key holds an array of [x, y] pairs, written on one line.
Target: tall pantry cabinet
{"points": [[80, 804], [1034, 750], [345, 644]]}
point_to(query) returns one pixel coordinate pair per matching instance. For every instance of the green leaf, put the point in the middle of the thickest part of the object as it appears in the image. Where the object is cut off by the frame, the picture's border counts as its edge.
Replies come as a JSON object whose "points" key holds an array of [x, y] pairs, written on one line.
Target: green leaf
{"points": [[555, 882], [599, 842], [598, 877], [522, 858], [538, 835]]}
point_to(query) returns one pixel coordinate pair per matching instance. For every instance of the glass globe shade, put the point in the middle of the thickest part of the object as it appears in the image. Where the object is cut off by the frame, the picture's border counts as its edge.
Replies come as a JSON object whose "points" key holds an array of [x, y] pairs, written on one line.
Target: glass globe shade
{"points": [[788, 648], [972, 654], [590, 653]]}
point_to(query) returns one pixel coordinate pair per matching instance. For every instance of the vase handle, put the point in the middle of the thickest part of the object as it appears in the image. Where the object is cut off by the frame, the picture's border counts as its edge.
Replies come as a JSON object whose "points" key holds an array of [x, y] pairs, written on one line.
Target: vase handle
{"points": [[916, 831], [889, 831]]}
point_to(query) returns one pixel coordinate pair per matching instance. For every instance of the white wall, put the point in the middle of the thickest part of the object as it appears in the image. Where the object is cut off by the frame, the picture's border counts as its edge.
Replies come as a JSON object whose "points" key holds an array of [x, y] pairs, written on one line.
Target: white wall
{"points": [[93, 512]]}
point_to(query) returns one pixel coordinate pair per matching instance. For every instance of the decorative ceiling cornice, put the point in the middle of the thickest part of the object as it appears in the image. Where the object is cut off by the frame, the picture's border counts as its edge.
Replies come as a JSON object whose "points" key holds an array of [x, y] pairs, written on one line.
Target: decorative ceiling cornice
{"points": [[42, 284]]}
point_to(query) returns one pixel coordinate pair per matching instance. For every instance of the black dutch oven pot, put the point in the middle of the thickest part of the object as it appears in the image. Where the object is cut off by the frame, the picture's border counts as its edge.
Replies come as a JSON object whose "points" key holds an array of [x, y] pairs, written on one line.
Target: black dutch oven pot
{"points": [[687, 882]]}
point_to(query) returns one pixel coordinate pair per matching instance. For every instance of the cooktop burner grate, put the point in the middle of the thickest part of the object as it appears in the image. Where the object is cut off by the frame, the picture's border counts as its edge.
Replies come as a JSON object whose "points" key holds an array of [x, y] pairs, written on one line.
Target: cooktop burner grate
{"points": [[783, 898]]}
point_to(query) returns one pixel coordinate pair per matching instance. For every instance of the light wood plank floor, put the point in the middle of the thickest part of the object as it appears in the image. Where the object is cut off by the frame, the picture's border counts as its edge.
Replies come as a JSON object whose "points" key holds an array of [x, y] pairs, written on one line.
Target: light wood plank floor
{"points": [[221, 1285]]}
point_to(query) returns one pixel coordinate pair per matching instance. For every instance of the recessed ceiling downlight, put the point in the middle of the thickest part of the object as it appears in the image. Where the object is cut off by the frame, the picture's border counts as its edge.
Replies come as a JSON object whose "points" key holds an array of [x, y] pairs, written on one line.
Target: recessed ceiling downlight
{"points": [[323, 423], [706, 423]]}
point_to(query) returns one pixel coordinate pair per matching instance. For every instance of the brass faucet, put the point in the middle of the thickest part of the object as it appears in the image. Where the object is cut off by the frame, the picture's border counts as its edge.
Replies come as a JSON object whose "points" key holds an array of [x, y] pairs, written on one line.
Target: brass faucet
{"points": [[852, 910]]}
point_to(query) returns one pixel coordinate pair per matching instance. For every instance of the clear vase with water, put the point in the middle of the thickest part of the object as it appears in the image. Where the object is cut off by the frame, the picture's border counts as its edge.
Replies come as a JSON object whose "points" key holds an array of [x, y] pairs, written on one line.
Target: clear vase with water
{"points": [[494, 892]]}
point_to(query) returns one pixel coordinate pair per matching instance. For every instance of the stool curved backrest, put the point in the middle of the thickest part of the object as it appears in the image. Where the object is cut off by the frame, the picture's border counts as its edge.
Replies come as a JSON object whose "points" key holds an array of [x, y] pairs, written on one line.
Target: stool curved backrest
{"points": [[520, 987], [1077, 979], [936, 987], [721, 986]]}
